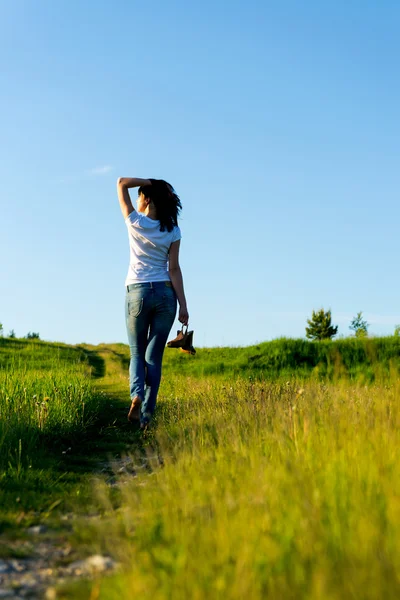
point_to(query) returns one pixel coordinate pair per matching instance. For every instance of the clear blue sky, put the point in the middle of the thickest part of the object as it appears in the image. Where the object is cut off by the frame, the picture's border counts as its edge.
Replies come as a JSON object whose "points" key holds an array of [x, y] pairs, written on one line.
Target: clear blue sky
{"points": [[277, 123]]}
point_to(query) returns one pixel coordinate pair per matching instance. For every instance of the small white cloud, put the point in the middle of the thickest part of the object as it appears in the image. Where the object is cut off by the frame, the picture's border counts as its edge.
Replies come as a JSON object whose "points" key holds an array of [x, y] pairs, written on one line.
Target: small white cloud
{"points": [[103, 170], [95, 172]]}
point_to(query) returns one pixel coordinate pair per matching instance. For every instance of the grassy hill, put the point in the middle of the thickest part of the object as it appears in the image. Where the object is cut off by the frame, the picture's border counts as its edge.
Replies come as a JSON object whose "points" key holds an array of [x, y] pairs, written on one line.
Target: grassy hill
{"points": [[29, 354], [364, 360], [282, 483], [361, 359]]}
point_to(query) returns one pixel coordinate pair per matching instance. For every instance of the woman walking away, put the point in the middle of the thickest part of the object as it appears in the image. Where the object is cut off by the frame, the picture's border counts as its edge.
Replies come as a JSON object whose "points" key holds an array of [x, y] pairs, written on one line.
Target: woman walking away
{"points": [[153, 285]]}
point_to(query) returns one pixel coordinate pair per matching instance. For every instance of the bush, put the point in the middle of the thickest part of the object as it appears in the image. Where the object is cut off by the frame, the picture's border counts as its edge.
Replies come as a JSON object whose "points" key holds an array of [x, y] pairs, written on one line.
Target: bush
{"points": [[359, 326], [32, 336], [320, 326]]}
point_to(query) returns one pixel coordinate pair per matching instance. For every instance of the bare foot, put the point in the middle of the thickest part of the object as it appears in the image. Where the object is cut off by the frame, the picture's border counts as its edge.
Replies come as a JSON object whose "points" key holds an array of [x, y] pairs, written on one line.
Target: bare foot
{"points": [[134, 411]]}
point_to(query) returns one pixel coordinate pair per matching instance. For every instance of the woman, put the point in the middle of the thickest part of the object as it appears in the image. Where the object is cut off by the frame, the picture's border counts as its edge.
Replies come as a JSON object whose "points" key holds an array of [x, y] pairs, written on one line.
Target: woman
{"points": [[154, 283]]}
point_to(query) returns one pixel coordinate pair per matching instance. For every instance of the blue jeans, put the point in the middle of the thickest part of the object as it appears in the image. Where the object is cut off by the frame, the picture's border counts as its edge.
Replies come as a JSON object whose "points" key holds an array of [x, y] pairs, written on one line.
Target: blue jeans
{"points": [[150, 310]]}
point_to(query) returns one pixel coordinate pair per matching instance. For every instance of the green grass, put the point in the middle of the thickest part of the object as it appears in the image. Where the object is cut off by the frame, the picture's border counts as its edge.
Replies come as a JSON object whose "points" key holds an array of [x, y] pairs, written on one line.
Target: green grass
{"points": [[267, 491], [40, 406], [28, 355], [363, 360], [272, 477], [55, 428]]}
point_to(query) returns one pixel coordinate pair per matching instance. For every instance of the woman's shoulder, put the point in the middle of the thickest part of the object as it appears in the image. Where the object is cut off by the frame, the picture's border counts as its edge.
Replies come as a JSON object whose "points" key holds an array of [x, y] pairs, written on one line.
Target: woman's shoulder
{"points": [[176, 233], [148, 223]]}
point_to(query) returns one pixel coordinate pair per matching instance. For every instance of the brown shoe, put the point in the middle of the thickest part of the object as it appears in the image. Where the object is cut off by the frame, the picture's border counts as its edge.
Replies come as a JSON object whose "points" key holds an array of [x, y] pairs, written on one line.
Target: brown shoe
{"points": [[188, 344], [190, 350], [181, 336], [134, 411]]}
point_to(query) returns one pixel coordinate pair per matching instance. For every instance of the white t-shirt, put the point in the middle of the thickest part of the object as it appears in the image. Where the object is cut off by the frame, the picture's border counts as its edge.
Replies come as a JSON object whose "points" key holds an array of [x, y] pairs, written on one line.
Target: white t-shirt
{"points": [[149, 249]]}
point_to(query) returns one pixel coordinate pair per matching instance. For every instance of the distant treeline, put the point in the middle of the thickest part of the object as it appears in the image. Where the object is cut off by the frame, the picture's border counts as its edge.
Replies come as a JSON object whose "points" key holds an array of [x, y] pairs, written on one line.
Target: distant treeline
{"points": [[363, 359]]}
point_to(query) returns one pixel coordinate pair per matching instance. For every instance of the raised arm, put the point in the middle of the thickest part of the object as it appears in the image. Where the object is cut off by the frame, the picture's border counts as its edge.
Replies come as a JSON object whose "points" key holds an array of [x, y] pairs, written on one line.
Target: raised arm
{"points": [[123, 185], [175, 274]]}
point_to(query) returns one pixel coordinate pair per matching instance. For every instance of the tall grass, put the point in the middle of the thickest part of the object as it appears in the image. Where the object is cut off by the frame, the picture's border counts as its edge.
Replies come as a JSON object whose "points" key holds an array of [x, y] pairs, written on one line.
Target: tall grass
{"points": [[250, 487], [45, 396], [267, 490]]}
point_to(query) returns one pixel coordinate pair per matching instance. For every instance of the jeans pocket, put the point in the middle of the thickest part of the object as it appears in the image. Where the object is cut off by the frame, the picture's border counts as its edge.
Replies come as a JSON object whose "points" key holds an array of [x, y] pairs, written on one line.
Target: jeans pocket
{"points": [[135, 306]]}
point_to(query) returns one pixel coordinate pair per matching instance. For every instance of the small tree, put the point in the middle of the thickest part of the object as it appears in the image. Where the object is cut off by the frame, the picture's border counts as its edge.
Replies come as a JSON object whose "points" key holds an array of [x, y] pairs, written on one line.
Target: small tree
{"points": [[359, 326], [1, 329], [32, 336], [320, 326], [397, 331], [12, 334]]}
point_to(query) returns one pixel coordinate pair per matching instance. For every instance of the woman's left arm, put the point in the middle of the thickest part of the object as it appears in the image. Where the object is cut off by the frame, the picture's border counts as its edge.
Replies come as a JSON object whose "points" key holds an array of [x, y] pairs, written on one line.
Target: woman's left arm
{"points": [[123, 185]]}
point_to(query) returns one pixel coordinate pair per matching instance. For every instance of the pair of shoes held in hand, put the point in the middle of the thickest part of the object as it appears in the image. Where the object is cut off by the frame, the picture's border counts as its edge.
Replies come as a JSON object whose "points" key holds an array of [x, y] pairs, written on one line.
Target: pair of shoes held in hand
{"points": [[183, 340]]}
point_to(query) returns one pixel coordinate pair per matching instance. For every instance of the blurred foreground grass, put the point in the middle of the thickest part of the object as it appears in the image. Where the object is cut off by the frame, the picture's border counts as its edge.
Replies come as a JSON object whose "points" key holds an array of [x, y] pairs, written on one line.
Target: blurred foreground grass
{"points": [[267, 490]]}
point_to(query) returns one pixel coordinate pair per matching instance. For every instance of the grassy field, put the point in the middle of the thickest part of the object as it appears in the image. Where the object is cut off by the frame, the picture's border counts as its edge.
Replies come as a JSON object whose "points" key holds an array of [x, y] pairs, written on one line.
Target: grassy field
{"points": [[363, 360], [246, 486], [55, 427]]}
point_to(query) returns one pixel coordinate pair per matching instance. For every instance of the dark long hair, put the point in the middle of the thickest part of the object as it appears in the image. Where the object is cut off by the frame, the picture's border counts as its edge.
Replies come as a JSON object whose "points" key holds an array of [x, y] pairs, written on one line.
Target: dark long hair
{"points": [[166, 201]]}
